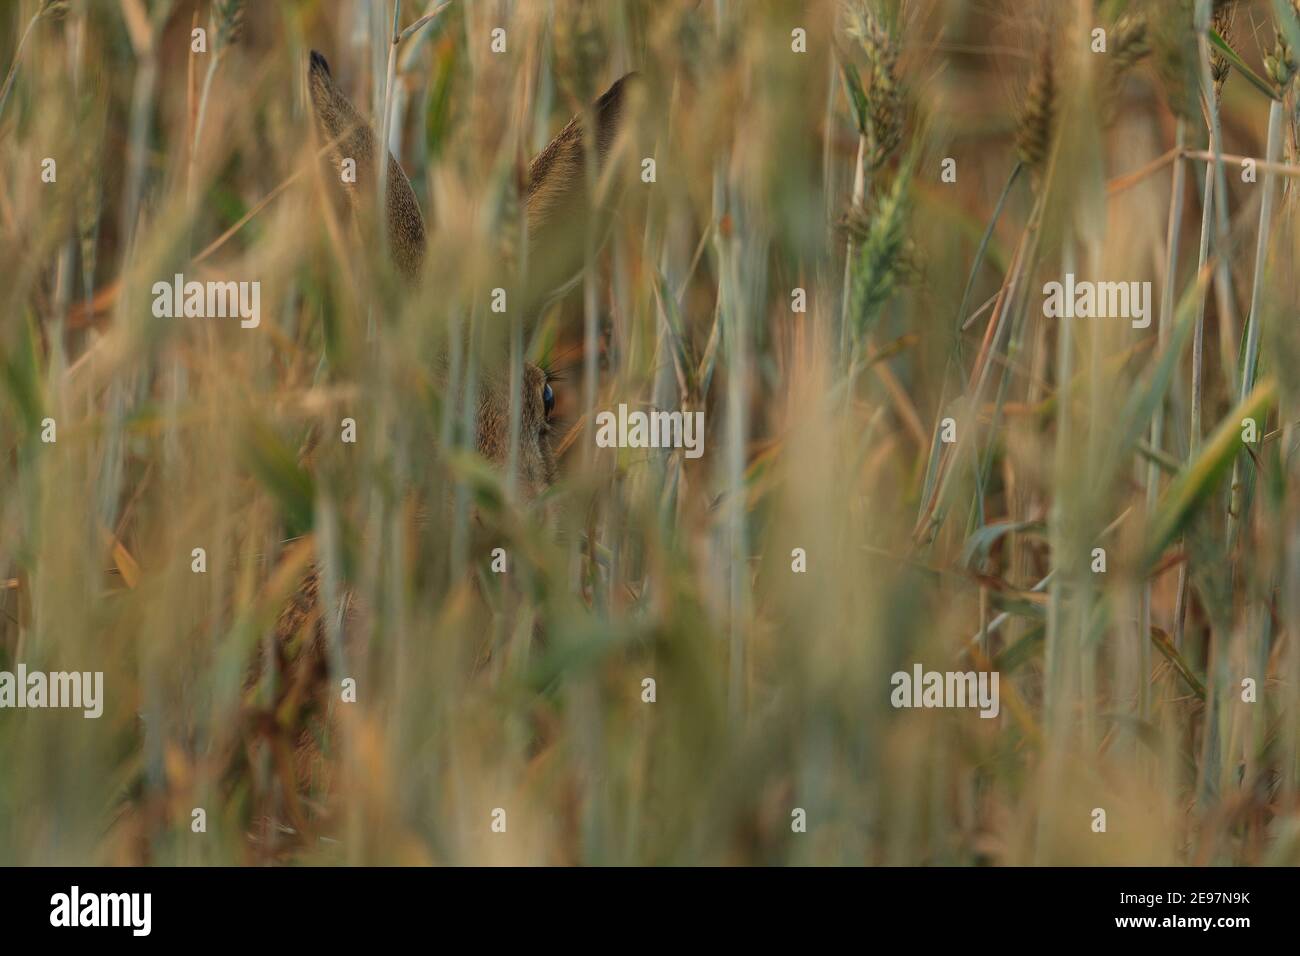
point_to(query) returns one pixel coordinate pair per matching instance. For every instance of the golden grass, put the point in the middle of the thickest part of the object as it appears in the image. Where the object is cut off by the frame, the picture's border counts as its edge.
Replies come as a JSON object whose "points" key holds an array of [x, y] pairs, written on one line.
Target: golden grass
{"points": [[776, 171]]}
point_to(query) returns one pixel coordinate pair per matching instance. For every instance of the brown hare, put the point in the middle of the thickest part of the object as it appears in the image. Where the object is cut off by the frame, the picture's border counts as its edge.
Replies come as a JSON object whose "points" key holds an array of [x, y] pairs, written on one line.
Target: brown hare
{"points": [[558, 208]]}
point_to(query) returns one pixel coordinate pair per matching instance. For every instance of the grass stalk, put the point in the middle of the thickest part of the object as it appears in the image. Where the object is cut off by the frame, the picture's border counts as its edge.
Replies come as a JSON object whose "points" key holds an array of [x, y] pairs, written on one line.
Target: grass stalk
{"points": [[13, 67], [386, 120], [1222, 243], [1167, 296], [1195, 428], [1250, 357]]}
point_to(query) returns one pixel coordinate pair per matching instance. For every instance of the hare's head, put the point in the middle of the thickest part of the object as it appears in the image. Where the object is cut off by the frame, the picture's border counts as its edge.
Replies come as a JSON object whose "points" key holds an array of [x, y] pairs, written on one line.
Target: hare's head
{"points": [[559, 212]]}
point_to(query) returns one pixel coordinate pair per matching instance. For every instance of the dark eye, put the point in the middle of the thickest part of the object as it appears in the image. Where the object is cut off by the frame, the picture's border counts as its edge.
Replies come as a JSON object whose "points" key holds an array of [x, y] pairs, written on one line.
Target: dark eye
{"points": [[548, 400]]}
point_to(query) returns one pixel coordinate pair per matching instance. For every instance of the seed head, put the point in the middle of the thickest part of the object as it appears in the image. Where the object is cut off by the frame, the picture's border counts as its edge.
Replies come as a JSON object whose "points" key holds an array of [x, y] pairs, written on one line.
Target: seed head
{"points": [[1280, 65], [884, 117], [1219, 65], [1130, 44], [1034, 136], [882, 259], [230, 21]]}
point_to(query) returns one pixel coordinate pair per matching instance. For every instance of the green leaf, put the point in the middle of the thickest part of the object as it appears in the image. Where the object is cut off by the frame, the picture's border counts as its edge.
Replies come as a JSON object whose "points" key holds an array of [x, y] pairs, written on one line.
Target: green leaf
{"points": [[1161, 640], [1257, 81], [1016, 654], [1201, 476], [20, 373], [857, 98], [980, 251], [437, 115], [983, 538], [682, 363], [484, 483], [1018, 603], [274, 463], [1142, 403]]}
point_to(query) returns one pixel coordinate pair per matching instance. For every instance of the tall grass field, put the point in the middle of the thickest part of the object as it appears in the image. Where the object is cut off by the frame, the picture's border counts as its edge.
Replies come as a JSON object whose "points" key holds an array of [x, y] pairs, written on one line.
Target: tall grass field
{"points": [[971, 330]]}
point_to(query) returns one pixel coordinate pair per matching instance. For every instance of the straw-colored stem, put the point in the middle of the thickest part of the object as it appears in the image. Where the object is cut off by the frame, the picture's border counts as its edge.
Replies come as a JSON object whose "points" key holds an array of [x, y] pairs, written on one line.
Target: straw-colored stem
{"points": [[381, 163], [1222, 242], [1167, 296], [859, 194], [1196, 428], [13, 67], [1250, 356]]}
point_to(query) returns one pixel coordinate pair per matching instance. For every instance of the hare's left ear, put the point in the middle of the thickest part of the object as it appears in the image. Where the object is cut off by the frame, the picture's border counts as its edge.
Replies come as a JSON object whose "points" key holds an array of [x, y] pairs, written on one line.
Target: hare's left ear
{"points": [[353, 139], [559, 207]]}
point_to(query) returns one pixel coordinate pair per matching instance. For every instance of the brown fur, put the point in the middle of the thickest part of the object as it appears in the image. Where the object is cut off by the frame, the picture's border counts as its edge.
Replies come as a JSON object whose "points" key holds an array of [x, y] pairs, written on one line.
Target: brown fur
{"points": [[341, 124], [558, 207], [289, 727], [560, 210], [536, 454]]}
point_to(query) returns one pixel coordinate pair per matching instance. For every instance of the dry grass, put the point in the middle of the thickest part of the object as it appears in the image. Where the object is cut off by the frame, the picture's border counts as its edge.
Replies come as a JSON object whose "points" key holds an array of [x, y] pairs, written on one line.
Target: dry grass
{"points": [[775, 171]]}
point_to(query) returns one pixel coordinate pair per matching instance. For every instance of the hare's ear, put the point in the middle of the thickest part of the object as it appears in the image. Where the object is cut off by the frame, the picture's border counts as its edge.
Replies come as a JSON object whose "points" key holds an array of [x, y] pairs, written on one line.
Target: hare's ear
{"points": [[353, 139], [559, 208]]}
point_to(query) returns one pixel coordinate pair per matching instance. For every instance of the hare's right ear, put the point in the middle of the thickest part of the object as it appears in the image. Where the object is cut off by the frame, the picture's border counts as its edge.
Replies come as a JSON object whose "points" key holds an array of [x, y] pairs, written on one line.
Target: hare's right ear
{"points": [[352, 138], [559, 207]]}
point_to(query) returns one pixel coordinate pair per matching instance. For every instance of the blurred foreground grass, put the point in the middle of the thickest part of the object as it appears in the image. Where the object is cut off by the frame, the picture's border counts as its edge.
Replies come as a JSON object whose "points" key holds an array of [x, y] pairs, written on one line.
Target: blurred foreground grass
{"points": [[1120, 690]]}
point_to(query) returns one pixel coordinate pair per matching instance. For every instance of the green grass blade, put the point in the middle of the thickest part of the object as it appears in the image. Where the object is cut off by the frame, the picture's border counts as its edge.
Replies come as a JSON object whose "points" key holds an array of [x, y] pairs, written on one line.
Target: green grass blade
{"points": [[1238, 64], [1200, 477]]}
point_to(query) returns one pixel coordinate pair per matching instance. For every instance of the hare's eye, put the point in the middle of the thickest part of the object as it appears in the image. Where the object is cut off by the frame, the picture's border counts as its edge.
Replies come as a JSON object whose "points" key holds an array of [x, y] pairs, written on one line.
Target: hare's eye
{"points": [[548, 400]]}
